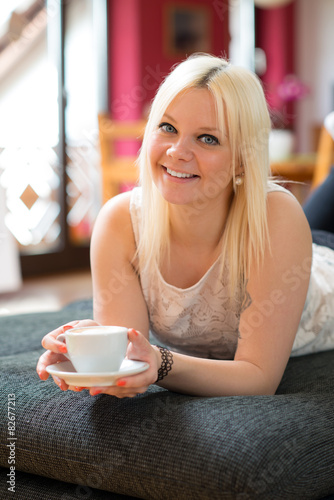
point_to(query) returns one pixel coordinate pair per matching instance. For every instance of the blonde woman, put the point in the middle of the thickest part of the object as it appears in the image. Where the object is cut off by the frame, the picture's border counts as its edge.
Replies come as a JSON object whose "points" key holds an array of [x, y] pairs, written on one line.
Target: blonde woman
{"points": [[208, 254]]}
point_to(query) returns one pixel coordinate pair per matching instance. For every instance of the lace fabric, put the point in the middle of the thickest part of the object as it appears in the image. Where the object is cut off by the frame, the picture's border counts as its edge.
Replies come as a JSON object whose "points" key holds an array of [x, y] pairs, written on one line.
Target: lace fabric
{"points": [[203, 320], [200, 320], [316, 328]]}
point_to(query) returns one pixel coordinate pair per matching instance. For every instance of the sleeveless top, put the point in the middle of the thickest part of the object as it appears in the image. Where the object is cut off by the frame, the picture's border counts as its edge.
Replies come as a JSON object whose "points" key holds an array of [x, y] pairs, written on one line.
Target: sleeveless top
{"points": [[203, 320]]}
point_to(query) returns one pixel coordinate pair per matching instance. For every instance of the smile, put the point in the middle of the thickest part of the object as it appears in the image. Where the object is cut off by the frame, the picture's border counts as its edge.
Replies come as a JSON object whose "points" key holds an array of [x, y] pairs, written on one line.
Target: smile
{"points": [[179, 174]]}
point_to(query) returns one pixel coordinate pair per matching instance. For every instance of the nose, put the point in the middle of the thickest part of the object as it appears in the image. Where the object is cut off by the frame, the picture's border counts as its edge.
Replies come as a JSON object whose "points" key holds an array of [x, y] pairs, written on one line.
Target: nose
{"points": [[180, 150]]}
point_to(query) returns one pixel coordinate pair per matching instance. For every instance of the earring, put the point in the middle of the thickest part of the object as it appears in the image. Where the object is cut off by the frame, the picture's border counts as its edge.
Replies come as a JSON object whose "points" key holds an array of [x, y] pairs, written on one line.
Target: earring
{"points": [[239, 180]]}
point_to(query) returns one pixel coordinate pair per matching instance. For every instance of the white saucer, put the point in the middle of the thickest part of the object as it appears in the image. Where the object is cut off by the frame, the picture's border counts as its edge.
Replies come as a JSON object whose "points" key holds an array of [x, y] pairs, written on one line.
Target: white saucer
{"points": [[66, 371]]}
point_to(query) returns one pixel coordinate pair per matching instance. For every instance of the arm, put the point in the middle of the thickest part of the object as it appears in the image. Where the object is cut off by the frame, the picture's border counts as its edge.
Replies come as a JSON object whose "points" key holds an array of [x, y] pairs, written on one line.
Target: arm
{"points": [[117, 294], [275, 299]]}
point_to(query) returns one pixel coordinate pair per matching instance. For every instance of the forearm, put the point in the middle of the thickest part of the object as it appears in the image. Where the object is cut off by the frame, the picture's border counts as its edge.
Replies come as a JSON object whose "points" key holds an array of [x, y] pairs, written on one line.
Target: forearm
{"points": [[209, 377]]}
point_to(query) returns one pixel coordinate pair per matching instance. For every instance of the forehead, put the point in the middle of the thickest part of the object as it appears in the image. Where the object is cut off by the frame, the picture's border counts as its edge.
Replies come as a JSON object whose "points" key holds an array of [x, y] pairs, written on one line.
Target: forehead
{"points": [[198, 107], [193, 98]]}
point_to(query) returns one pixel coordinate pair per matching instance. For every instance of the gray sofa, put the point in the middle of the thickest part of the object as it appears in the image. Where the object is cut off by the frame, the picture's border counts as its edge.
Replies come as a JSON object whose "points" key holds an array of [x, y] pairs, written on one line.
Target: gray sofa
{"points": [[160, 445]]}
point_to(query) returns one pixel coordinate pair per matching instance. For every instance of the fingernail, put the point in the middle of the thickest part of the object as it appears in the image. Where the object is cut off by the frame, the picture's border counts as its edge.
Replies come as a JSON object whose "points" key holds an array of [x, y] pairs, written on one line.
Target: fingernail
{"points": [[67, 327], [63, 348], [95, 392], [134, 331], [121, 383]]}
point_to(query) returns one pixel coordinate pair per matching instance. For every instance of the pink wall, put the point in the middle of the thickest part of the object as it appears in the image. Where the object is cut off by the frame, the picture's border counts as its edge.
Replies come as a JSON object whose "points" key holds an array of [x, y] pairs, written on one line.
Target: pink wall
{"points": [[156, 60], [138, 57], [275, 35], [124, 66], [125, 57]]}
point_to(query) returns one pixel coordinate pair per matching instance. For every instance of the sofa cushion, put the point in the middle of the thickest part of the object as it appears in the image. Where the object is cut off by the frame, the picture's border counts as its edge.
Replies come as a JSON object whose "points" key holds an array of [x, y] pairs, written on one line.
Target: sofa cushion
{"points": [[32, 487], [167, 445]]}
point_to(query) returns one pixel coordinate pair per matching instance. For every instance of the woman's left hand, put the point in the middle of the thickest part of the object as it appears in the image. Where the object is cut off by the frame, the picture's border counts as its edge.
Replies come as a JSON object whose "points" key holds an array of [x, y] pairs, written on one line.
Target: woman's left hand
{"points": [[139, 349]]}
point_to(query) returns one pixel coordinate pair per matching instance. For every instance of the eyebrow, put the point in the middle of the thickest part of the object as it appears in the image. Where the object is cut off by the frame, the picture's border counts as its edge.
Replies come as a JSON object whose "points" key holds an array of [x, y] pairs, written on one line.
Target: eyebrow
{"points": [[209, 129]]}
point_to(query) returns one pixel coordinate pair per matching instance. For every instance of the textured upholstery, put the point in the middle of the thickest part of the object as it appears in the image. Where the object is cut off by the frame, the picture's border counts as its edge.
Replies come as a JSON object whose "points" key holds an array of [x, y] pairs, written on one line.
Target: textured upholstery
{"points": [[31, 487], [163, 445]]}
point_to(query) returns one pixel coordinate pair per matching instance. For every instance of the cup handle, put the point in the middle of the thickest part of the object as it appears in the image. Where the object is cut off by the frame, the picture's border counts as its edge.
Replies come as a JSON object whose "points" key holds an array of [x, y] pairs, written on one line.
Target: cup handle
{"points": [[62, 338]]}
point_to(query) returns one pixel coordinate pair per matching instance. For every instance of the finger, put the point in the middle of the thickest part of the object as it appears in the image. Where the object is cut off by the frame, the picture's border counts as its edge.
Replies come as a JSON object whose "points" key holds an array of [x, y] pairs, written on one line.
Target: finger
{"points": [[50, 341], [135, 382], [46, 359], [114, 391], [75, 388], [139, 347], [60, 382]]}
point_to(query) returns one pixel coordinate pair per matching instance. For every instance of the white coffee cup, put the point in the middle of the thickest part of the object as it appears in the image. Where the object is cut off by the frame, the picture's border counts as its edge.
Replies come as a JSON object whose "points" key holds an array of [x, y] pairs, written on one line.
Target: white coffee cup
{"points": [[96, 349]]}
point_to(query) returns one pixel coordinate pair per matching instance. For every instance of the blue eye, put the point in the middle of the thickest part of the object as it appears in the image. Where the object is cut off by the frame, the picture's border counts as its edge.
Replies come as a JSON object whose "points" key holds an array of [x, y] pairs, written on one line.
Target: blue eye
{"points": [[167, 127], [211, 140]]}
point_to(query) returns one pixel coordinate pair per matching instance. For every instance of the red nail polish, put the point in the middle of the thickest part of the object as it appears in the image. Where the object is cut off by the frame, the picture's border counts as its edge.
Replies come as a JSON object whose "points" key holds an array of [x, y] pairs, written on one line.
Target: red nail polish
{"points": [[121, 383], [67, 327], [134, 331], [95, 393], [63, 348]]}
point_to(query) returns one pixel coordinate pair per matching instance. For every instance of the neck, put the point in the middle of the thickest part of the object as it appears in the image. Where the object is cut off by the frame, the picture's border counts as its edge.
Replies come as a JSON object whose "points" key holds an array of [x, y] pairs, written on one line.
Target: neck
{"points": [[200, 226]]}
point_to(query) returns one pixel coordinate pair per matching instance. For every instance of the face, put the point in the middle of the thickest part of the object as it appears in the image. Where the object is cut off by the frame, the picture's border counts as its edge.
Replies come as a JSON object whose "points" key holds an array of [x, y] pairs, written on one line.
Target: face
{"points": [[190, 154]]}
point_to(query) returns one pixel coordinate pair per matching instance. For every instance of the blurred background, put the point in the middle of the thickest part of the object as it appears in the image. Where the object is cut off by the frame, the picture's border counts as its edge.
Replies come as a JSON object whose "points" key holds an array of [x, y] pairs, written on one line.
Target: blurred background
{"points": [[76, 81]]}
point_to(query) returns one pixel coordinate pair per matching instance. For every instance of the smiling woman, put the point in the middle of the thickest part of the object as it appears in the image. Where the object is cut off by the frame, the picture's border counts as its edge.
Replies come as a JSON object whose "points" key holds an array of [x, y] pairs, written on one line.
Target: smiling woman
{"points": [[214, 96], [183, 152], [215, 259]]}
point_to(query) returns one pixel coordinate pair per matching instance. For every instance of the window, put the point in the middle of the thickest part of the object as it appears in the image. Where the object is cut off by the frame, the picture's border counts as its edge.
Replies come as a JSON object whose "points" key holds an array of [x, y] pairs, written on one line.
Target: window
{"points": [[49, 155]]}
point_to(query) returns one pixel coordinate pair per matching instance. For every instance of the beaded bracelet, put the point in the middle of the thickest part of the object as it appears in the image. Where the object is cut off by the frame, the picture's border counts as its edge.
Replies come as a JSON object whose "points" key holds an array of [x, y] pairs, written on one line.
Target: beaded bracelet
{"points": [[166, 363]]}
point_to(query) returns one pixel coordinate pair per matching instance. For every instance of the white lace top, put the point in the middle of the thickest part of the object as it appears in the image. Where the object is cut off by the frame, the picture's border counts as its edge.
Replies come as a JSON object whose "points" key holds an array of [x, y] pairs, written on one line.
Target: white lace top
{"points": [[203, 321]]}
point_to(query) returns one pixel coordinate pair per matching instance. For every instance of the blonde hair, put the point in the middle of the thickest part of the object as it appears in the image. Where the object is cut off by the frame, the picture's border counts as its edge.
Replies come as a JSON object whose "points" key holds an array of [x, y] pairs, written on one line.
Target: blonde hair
{"points": [[240, 101]]}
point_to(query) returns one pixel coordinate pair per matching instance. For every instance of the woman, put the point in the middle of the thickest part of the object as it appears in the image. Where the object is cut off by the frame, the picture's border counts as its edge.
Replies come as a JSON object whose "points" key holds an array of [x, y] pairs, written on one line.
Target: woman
{"points": [[207, 253]]}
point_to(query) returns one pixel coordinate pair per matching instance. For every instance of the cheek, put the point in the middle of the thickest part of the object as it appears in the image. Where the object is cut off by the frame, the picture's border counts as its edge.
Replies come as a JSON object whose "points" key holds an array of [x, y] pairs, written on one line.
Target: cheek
{"points": [[219, 170], [154, 155], [155, 148], [220, 163]]}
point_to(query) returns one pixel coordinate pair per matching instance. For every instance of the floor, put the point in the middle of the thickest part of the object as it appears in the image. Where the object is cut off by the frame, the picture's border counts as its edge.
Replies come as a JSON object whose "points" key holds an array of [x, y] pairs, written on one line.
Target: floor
{"points": [[47, 293]]}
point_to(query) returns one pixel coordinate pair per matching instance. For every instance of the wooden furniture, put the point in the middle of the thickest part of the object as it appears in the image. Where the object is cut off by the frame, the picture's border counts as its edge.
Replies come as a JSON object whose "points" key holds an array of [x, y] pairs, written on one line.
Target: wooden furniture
{"points": [[117, 170], [296, 168], [308, 170], [298, 171], [325, 158]]}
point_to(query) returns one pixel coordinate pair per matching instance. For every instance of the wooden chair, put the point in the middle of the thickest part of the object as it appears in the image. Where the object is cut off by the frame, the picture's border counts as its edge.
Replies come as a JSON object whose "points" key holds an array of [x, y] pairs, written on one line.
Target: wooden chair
{"points": [[117, 170], [325, 158], [311, 169]]}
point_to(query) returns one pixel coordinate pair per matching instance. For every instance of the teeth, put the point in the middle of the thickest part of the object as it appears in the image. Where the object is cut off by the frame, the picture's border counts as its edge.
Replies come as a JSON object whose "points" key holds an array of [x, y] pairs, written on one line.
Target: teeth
{"points": [[178, 174]]}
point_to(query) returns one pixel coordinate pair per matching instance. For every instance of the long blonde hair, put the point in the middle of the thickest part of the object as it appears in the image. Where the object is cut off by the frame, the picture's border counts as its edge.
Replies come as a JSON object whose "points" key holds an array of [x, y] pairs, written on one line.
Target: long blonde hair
{"points": [[239, 100]]}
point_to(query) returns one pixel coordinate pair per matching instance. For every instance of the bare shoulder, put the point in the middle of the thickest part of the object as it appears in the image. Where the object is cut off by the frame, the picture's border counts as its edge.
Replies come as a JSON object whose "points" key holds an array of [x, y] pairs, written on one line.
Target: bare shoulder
{"points": [[288, 249], [287, 222], [117, 209], [113, 227]]}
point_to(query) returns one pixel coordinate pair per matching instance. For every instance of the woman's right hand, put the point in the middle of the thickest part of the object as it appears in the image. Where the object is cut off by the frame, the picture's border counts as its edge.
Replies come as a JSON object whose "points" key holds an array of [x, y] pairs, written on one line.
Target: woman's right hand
{"points": [[55, 350]]}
